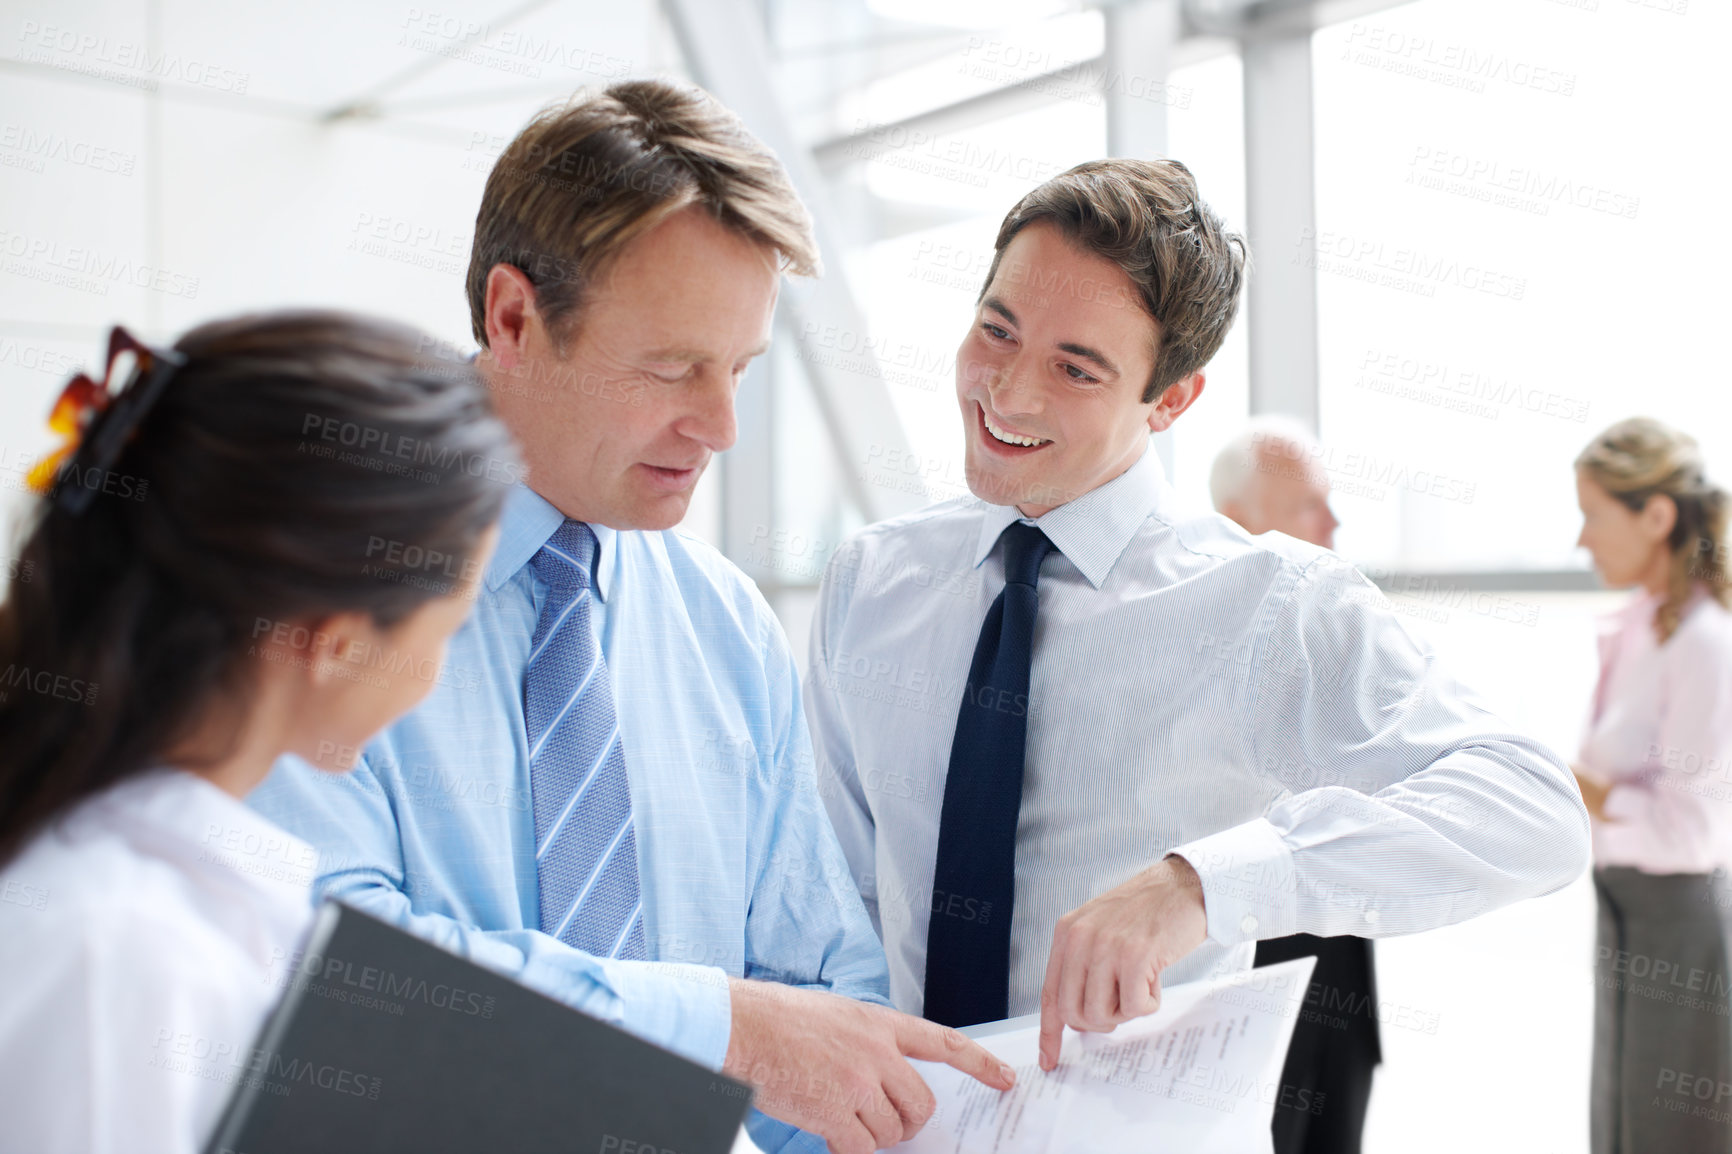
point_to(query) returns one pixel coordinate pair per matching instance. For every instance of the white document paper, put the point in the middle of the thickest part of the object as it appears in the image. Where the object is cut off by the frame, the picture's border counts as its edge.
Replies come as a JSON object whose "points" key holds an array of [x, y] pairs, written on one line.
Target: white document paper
{"points": [[1200, 1076]]}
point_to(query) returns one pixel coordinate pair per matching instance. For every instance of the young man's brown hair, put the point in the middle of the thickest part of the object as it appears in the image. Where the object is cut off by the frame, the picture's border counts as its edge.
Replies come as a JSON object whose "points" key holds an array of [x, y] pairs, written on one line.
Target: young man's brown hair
{"points": [[586, 178], [1146, 217]]}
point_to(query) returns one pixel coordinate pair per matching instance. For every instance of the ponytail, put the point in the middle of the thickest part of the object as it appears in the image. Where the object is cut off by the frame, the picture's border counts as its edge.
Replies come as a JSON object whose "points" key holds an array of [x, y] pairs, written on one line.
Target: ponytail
{"points": [[239, 497]]}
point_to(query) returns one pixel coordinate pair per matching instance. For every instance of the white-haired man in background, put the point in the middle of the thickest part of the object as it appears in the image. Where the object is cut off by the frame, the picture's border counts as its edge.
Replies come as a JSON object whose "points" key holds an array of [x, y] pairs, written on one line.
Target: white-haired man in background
{"points": [[1271, 476]]}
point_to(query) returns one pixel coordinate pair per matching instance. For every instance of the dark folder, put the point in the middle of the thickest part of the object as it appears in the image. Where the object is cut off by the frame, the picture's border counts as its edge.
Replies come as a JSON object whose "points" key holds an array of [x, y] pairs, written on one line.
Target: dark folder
{"points": [[383, 1042]]}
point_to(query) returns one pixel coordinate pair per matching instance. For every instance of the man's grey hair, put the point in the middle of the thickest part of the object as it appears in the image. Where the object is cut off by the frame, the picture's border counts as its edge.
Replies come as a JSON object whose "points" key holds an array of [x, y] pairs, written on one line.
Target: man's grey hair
{"points": [[1236, 465]]}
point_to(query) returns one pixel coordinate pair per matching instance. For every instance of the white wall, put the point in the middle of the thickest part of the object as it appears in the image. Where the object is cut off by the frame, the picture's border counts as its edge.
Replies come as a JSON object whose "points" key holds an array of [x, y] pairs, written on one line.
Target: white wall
{"points": [[226, 187]]}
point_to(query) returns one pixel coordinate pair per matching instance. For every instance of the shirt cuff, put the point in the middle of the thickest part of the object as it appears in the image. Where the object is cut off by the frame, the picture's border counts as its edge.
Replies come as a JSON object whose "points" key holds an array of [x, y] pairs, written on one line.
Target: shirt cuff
{"points": [[774, 1136], [680, 1007], [1249, 882]]}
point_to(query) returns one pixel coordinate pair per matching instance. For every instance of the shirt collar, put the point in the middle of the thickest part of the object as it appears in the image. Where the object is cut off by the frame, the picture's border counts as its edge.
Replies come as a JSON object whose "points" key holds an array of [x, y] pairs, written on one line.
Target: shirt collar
{"points": [[1094, 529], [525, 526]]}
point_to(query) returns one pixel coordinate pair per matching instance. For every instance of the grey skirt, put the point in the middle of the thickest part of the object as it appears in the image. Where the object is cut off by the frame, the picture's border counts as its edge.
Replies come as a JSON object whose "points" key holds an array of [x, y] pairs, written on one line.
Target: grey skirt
{"points": [[1662, 1062]]}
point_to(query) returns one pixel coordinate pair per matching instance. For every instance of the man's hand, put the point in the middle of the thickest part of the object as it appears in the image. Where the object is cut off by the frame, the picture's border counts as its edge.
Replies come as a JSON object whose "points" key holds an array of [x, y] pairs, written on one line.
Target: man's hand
{"points": [[1108, 953], [839, 1068]]}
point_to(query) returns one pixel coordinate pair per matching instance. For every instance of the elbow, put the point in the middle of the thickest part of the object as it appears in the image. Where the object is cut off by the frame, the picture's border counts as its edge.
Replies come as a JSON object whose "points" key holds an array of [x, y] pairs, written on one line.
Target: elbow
{"points": [[1557, 829], [366, 889], [1574, 852], [1581, 856]]}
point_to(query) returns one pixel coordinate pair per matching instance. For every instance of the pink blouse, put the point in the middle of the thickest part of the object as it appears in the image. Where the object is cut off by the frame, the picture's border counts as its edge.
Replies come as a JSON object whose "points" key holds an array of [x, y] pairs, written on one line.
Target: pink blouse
{"points": [[1661, 730]]}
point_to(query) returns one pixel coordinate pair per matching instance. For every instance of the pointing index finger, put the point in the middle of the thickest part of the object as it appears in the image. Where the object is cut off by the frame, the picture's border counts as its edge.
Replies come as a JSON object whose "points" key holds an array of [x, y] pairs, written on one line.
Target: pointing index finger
{"points": [[1051, 1021], [931, 1042], [1051, 1035]]}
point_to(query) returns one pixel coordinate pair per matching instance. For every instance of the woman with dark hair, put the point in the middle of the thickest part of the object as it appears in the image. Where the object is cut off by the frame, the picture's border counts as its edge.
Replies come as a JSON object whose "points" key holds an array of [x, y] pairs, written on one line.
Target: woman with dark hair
{"points": [[258, 545], [1655, 770]]}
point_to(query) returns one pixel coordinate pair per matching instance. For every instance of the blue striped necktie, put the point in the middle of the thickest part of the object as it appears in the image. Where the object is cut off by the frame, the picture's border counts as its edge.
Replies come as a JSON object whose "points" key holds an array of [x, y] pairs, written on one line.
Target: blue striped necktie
{"points": [[585, 846], [968, 958]]}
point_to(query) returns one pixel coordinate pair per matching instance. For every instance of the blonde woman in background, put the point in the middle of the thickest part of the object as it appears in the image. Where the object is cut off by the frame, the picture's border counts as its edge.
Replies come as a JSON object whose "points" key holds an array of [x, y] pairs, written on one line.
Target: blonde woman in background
{"points": [[1654, 772]]}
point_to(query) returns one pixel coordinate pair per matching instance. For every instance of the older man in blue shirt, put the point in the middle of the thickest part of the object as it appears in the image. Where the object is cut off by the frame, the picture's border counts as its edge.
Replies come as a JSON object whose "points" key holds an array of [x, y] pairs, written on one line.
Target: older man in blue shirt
{"points": [[611, 794]]}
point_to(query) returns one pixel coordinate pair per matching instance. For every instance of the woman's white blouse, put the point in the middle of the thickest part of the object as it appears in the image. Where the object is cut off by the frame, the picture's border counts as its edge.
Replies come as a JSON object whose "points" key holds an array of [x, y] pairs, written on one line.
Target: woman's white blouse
{"points": [[142, 942]]}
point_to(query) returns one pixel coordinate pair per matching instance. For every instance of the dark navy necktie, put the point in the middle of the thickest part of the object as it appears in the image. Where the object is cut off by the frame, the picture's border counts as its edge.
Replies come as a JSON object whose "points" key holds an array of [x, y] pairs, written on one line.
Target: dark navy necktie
{"points": [[968, 939], [585, 843]]}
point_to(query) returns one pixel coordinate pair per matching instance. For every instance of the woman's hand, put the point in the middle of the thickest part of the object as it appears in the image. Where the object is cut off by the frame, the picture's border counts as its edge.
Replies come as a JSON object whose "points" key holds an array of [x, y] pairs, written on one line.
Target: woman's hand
{"points": [[1594, 791]]}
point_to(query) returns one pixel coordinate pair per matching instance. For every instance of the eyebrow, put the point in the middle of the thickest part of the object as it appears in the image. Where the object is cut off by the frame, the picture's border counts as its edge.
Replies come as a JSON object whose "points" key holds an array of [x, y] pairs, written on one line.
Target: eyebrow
{"points": [[1088, 354], [997, 306], [679, 354], [1084, 351]]}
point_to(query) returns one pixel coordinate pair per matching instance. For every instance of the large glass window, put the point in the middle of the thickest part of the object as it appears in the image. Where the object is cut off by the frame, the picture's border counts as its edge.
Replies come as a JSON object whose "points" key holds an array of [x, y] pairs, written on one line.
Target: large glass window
{"points": [[1515, 201]]}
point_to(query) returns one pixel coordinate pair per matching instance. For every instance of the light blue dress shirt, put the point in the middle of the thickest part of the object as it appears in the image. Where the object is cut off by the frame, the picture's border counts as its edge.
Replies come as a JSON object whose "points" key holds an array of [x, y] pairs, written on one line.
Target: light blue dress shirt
{"points": [[1252, 704], [741, 872]]}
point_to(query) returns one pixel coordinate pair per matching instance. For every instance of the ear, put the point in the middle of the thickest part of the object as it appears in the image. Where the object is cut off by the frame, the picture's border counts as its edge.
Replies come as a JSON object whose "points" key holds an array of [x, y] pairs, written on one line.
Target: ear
{"points": [[509, 316], [1659, 514], [341, 637], [1178, 396]]}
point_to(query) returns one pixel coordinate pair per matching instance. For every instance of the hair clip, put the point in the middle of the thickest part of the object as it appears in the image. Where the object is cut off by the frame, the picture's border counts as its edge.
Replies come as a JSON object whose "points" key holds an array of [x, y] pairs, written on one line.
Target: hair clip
{"points": [[95, 421]]}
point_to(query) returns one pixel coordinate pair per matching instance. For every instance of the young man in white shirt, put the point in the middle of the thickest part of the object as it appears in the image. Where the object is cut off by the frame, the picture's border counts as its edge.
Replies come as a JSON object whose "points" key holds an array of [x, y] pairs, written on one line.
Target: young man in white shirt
{"points": [[1163, 740]]}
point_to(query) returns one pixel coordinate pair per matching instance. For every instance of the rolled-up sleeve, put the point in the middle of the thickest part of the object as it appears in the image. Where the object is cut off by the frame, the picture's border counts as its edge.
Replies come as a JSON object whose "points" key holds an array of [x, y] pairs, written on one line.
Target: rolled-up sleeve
{"points": [[349, 819], [1405, 804]]}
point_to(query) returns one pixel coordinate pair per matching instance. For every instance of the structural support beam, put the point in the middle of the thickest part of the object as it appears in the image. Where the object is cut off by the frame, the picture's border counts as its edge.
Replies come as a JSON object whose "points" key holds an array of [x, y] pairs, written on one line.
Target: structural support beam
{"points": [[724, 47], [1141, 37], [1207, 29], [749, 475], [1026, 95], [1280, 203], [368, 104]]}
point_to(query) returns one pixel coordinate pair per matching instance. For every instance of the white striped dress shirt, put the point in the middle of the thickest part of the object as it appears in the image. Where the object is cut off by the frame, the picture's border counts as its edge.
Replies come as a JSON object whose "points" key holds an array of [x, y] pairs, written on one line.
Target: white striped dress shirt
{"points": [[1251, 704]]}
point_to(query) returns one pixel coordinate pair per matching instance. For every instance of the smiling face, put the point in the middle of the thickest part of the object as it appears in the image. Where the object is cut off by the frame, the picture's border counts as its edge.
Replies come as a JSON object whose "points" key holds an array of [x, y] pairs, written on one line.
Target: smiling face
{"points": [[618, 430], [1051, 375]]}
